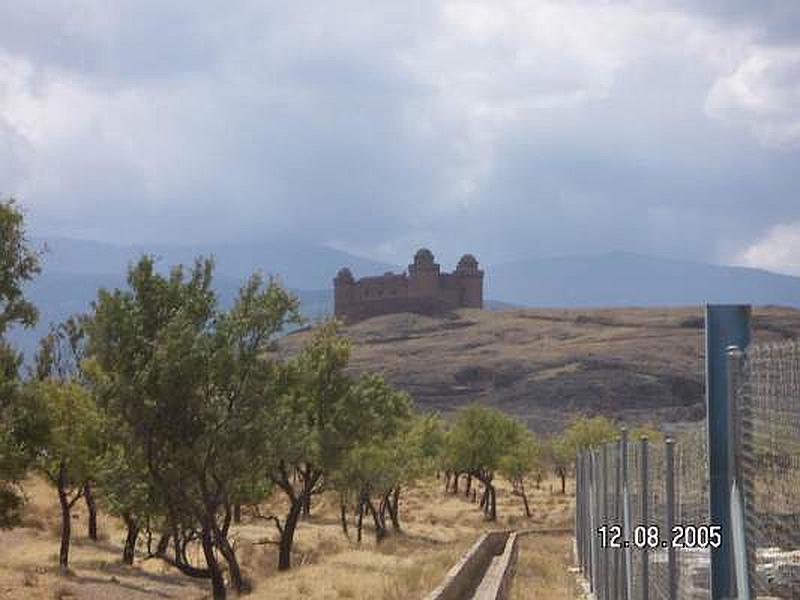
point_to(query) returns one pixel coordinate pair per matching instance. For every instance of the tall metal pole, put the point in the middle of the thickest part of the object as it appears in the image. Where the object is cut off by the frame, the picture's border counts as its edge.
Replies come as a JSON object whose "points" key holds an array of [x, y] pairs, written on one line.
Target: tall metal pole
{"points": [[726, 325]]}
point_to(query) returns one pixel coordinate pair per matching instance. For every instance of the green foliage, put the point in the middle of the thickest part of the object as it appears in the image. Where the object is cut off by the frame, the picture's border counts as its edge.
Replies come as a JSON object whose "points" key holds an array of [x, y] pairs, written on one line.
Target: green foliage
{"points": [[479, 439], [647, 430], [71, 429], [18, 264], [483, 441], [582, 433], [589, 432], [183, 384], [524, 455]]}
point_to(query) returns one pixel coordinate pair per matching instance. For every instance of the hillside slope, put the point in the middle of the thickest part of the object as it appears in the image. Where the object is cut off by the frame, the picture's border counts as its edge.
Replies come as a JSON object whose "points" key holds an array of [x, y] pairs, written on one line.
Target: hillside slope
{"points": [[545, 364]]}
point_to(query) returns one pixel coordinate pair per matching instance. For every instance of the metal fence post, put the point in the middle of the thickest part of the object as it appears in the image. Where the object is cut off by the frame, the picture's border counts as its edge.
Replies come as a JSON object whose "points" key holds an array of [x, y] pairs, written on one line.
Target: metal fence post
{"points": [[672, 564], [604, 509], [725, 325], [587, 457], [740, 546], [748, 467], [584, 516], [592, 515], [584, 534], [626, 519], [645, 523], [579, 511], [617, 519]]}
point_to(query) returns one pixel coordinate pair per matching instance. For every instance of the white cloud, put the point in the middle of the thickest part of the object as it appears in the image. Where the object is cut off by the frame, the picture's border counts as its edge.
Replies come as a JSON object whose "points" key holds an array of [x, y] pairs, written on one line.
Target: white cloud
{"points": [[763, 94], [778, 250]]}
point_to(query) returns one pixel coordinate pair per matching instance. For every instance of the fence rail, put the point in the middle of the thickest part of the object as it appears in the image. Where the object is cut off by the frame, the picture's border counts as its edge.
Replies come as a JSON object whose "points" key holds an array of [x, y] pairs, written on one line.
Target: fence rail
{"points": [[643, 521]]}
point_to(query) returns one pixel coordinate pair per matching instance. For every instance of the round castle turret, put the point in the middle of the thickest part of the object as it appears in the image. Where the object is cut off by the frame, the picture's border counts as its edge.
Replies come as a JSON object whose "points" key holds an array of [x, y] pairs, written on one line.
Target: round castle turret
{"points": [[343, 290], [423, 258], [471, 281], [468, 265], [344, 276], [423, 274]]}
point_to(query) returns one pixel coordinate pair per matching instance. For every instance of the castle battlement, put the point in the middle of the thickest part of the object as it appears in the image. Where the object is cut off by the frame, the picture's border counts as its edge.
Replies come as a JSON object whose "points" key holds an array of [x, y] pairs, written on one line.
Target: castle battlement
{"points": [[423, 289]]}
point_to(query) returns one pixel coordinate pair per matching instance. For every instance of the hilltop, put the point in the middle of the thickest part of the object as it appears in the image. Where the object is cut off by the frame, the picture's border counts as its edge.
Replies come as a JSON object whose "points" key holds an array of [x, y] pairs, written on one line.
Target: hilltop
{"points": [[638, 364]]}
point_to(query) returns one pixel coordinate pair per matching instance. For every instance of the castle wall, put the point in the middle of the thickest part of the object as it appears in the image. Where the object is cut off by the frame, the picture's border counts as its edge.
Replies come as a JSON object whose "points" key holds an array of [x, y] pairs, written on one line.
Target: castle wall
{"points": [[423, 290], [472, 296]]}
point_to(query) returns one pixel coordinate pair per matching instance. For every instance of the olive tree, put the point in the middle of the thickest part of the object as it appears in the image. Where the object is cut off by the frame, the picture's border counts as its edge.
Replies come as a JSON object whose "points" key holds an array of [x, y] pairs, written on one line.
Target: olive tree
{"points": [[67, 450], [315, 415], [477, 444], [187, 380], [19, 264], [581, 433], [521, 460]]}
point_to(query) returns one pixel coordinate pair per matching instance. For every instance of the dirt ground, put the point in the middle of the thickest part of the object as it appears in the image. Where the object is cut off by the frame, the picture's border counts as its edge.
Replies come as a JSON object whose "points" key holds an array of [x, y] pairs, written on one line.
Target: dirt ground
{"points": [[437, 530]]}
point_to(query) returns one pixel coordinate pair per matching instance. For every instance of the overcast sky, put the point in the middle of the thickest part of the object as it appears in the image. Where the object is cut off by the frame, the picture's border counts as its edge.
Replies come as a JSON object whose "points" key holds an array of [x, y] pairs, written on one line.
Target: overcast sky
{"points": [[510, 129]]}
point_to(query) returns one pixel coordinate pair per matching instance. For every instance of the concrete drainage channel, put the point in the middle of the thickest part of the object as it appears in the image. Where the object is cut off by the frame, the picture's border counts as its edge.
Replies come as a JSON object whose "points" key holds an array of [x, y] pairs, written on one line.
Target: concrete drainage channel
{"points": [[486, 570]]}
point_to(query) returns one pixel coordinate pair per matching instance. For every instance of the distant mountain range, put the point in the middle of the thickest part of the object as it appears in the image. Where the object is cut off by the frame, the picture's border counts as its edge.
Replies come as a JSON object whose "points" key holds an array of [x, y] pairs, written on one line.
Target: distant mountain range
{"points": [[299, 265], [625, 279], [73, 270]]}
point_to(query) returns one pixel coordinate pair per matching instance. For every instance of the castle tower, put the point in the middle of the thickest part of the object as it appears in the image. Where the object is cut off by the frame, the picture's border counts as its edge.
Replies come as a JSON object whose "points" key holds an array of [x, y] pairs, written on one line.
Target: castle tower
{"points": [[423, 274], [470, 280], [344, 287]]}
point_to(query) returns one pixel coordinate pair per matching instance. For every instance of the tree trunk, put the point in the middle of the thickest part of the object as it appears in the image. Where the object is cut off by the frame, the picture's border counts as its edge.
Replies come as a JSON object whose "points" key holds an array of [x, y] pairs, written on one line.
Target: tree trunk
{"points": [[446, 482], [130, 539], [524, 499], [217, 582], [380, 526], [394, 508], [343, 517], [563, 476], [163, 544], [227, 551], [287, 535], [455, 483], [469, 486], [492, 503], [359, 519], [91, 506], [237, 513], [66, 524]]}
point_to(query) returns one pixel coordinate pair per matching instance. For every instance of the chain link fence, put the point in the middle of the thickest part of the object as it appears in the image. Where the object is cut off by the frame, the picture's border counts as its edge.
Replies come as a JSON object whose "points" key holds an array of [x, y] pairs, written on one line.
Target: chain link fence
{"points": [[643, 519], [769, 463], [631, 496]]}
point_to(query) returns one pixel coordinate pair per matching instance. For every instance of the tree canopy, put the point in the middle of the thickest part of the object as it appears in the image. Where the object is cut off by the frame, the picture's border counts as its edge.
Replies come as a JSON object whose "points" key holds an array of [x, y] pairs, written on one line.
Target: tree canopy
{"points": [[19, 264]]}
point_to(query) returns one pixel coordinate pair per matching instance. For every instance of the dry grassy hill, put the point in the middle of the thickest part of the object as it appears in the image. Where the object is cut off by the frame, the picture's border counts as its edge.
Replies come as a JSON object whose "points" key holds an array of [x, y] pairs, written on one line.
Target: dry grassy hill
{"points": [[545, 364]]}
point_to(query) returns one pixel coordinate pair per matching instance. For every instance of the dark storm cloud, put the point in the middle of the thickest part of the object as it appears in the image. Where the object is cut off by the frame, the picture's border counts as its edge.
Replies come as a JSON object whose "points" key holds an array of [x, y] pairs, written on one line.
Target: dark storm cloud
{"points": [[510, 129], [775, 21]]}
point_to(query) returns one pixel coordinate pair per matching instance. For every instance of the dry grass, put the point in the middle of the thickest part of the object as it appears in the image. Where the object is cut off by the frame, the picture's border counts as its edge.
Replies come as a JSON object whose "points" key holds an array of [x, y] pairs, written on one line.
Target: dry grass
{"points": [[437, 530], [541, 572]]}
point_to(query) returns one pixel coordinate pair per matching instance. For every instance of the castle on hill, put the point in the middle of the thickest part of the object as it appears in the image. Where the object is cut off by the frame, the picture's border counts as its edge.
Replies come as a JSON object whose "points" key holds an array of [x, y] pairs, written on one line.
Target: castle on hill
{"points": [[424, 289]]}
